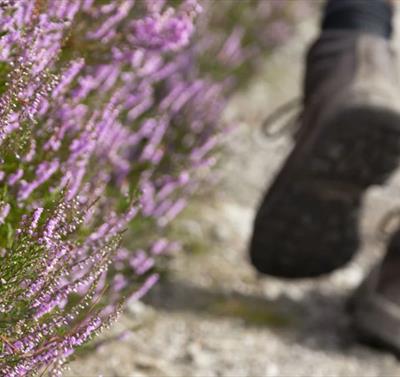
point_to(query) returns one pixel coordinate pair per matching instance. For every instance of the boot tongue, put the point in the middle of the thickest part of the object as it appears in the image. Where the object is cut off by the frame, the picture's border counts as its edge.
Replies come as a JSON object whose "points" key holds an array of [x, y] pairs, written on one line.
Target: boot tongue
{"points": [[331, 61]]}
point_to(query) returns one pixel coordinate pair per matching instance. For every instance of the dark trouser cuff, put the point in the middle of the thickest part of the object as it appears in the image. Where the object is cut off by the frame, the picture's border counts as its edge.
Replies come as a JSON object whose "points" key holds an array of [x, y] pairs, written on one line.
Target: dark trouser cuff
{"points": [[369, 16]]}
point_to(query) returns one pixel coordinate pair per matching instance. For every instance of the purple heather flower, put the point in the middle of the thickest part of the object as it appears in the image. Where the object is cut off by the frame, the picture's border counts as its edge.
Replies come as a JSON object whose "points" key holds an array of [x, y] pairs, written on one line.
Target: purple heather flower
{"points": [[147, 285], [4, 211]]}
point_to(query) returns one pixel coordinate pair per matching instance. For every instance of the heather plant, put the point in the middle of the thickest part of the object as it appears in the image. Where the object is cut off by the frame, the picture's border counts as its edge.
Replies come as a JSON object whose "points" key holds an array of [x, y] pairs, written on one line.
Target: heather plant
{"points": [[109, 112], [71, 171]]}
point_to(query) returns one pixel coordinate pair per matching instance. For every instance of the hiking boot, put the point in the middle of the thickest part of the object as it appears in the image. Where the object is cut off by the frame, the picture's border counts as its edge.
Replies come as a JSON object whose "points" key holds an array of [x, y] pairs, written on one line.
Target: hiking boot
{"points": [[375, 307], [348, 140]]}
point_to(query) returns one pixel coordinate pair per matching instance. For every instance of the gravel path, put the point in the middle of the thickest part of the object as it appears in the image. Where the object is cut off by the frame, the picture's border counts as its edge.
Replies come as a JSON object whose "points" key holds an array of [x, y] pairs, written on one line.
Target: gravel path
{"points": [[213, 316]]}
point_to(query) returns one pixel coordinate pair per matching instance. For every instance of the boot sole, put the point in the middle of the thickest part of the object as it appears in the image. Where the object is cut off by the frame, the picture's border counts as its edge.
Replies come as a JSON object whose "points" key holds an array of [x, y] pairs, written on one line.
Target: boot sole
{"points": [[307, 224]]}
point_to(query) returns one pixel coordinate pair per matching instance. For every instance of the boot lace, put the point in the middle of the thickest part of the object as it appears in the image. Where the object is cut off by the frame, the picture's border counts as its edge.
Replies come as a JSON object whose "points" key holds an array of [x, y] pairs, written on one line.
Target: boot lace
{"points": [[389, 223], [274, 126]]}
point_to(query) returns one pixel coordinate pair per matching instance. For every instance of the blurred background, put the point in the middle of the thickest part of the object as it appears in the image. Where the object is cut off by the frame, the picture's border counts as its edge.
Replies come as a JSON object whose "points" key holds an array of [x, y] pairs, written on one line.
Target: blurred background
{"points": [[211, 314]]}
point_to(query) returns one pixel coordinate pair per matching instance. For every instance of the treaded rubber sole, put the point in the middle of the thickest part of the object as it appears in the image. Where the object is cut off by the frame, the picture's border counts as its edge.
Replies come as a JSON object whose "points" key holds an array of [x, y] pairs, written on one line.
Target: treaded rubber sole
{"points": [[307, 223]]}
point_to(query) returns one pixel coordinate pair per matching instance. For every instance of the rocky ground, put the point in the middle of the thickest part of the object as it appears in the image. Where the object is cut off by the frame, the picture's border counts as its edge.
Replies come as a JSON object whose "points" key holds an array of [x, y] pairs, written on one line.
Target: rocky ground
{"points": [[213, 316]]}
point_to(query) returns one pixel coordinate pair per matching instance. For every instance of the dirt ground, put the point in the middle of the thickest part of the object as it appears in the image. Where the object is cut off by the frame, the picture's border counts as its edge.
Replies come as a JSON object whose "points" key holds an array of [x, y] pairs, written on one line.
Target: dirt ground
{"points": [[213, 316]]}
